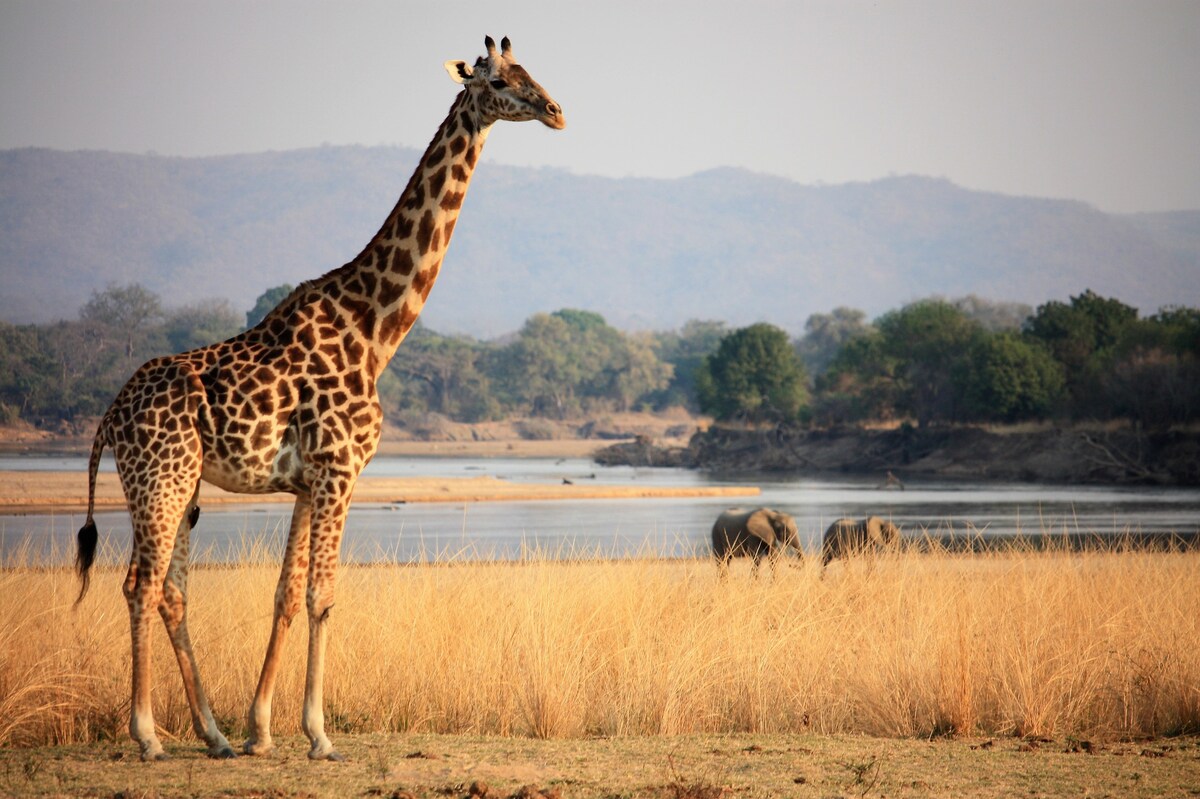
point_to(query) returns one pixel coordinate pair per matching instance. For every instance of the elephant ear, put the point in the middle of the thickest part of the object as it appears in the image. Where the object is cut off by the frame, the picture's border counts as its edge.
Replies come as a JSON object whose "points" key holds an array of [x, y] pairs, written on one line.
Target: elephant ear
{"points": [[759, 526]]}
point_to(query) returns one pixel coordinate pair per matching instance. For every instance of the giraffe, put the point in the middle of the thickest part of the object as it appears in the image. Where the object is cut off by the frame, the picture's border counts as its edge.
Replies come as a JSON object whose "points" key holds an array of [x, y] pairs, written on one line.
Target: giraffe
{"points": [[289, 405]]}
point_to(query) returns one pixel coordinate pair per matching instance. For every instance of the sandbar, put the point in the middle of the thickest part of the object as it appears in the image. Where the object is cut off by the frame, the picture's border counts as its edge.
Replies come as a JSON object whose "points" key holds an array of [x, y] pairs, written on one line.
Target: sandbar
{"points": [[57, 491]]}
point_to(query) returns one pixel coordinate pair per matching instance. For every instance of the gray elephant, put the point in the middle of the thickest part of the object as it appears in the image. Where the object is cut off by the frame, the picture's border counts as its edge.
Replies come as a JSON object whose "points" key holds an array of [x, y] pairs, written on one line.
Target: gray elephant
{"points": [[757, 533], [847, 537]]}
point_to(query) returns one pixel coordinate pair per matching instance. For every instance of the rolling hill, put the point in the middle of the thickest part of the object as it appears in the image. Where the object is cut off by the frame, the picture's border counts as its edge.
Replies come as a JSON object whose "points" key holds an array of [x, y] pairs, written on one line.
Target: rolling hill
{"points": [[647, 254]]}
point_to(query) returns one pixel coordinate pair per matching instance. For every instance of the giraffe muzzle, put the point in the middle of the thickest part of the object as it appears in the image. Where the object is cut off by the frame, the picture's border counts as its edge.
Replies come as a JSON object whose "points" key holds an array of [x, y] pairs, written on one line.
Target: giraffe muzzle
{"points": [[552, 117]]}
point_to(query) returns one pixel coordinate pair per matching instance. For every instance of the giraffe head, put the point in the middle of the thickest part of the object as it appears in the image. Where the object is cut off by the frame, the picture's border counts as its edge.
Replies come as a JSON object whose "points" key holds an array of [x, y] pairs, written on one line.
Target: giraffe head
{"points": [[503, 89]]}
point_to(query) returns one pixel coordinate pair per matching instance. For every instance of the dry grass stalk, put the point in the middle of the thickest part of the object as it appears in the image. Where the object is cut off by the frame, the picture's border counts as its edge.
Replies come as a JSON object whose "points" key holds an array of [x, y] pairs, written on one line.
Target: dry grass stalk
{"points": [[1021, 643]]}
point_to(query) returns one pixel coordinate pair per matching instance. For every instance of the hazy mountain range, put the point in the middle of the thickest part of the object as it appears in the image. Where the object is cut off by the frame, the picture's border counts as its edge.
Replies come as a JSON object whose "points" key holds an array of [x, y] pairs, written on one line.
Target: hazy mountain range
{"points": [[647, 254]]}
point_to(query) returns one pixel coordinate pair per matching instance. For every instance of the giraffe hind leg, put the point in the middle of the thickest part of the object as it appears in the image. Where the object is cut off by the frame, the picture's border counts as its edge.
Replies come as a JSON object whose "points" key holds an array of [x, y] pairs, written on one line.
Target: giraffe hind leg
{"points": [[143, 591], [173, 609]]}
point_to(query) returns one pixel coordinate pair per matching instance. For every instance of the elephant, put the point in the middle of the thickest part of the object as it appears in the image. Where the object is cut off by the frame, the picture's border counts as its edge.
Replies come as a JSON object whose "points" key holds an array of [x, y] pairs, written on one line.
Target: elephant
{"points": [[739, 532], [847, 537]]}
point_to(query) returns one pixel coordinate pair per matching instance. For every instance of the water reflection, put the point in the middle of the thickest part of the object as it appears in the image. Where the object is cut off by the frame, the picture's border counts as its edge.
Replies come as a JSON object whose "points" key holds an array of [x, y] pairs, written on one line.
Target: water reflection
{"points": [[621, 528]]}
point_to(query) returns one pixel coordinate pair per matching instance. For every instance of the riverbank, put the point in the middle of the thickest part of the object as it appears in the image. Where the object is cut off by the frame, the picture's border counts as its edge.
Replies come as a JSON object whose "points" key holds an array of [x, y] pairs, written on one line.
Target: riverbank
{"points": [[1047, 454]]}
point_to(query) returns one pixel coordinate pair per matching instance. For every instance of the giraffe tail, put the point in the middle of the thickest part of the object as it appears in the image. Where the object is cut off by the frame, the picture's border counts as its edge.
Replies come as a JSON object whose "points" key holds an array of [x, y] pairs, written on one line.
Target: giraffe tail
{"points": [[87, 537]]}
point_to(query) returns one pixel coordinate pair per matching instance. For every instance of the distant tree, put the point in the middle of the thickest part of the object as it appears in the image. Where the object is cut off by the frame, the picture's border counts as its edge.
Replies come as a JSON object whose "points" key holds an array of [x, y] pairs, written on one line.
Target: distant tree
{"points": [[1010, 379], [266, 302], [929, 341], [755, 375], [684, 351], [991, 315], [860, 383], [128, 312], [442, 375], [562, 361], [633, 371], [825, 334], [1082, 336], [206, 322]]}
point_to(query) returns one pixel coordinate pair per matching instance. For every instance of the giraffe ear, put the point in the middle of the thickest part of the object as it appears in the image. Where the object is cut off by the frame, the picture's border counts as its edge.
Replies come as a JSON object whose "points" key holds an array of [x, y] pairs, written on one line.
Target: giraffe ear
{"points": [[458, 70]]}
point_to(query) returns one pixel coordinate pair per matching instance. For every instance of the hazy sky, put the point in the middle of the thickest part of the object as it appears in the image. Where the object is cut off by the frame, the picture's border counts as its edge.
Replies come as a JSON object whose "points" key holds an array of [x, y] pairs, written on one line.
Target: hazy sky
{"points": [[1092, 100]]}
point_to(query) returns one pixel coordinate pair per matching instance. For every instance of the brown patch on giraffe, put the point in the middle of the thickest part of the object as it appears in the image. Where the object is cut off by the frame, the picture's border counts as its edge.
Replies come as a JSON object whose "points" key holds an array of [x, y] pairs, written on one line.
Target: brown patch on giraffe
{"points": [[425, 233], [305, 337], [459, 173], [437, 181], [435, 156], [355, 384], [472, 156], [417, 200], [354, 348], [428, 276], [458, 145], [449, 229], [369, 282], [366, 326], [317, 365], [453, 200], [382, 253], [390, 292], [402, 262], [334, 352]]}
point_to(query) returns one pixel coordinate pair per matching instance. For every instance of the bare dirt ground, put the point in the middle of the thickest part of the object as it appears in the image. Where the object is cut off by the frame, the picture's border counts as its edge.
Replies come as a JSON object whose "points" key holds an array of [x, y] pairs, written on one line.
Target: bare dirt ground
{"points": [[683, 767]]}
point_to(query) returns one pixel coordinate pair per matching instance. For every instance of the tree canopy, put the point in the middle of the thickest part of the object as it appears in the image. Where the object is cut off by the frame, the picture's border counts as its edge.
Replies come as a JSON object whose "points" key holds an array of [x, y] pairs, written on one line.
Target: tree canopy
{"points": [[933, 361]]}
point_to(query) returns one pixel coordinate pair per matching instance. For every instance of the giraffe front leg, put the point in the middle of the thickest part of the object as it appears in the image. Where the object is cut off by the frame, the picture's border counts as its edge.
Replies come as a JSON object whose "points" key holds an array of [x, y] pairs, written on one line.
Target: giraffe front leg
{"points": [[328, 520], [288, 596], [173, 609]]}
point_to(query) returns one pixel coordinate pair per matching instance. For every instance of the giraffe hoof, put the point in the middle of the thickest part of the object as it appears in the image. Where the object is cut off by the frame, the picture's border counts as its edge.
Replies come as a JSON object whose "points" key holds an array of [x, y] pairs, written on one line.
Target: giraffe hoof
{"points": [[257, 747], [332, 755], [155, 757], [224, 753]]}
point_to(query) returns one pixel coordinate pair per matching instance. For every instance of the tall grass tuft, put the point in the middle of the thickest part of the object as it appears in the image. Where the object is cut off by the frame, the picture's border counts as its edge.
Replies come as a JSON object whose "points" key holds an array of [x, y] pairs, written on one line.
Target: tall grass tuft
{"points": [[909, 644]]}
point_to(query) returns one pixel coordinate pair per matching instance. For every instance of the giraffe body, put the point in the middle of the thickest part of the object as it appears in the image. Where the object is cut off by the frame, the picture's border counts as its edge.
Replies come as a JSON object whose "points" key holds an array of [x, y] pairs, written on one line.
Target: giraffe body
{"points": [[289, 405]]}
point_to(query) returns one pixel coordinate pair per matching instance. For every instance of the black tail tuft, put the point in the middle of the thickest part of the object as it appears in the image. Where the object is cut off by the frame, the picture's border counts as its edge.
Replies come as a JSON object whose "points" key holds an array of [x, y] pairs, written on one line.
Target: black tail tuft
{"points": [[86, 538]]}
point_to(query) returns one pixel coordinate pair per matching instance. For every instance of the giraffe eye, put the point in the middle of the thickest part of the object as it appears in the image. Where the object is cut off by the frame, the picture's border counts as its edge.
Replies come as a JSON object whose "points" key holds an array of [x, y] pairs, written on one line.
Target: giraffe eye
{"points": [[499, 84]]}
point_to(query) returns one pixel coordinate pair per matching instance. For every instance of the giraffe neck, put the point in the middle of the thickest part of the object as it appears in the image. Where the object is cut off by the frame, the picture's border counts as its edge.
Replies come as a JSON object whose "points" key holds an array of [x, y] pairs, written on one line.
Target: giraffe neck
{"points": [[367, 307], [398, 267]]}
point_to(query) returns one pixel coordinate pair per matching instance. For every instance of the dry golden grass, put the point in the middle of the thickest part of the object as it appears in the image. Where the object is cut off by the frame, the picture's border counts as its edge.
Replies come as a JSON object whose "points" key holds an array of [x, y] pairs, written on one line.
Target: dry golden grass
{"points": [[1095, 645]]}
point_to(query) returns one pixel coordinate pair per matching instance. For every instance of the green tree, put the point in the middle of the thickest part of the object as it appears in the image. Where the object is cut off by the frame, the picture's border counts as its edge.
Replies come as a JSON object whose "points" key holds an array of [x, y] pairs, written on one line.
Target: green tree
{"points": [[755, 375], [266, 302], [826, 334], [859, 384], [562, 361], [541, 369], [929, 341], [1082, 336], [442, 374], [1011, 378], [684, 351]]}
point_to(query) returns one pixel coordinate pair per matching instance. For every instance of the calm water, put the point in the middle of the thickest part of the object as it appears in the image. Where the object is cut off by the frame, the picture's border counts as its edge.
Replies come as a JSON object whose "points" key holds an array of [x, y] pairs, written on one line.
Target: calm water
{"points": [[664, 527]]}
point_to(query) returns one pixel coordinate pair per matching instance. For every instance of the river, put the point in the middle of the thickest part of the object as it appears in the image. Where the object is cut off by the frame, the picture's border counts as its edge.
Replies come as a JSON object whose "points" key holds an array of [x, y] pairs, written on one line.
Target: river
{"points": [[420, 532]]}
